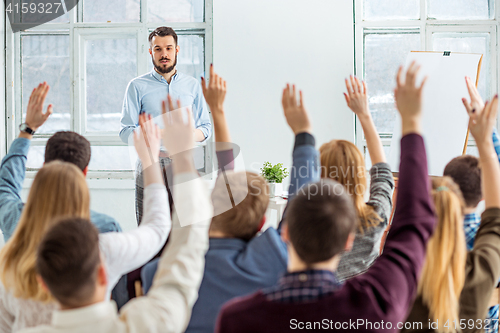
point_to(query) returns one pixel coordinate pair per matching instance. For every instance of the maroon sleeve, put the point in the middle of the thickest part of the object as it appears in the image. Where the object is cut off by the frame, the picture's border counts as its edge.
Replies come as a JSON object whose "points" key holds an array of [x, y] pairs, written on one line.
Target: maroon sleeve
{"points": [[391, 283], [225, 158]]}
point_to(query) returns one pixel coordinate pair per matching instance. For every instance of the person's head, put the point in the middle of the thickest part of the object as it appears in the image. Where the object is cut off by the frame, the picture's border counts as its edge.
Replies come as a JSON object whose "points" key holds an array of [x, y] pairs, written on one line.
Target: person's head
{"points": [[59, 189], [342, 161], [243, 219], [163, 48], [466, 172], [69, 147], [69, 264], [320, 223], [443, 273]]}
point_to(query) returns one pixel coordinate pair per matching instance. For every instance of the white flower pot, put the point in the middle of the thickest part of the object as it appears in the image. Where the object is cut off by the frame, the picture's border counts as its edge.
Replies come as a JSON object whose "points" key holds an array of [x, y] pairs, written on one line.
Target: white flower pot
{"points": [[275, 189]]}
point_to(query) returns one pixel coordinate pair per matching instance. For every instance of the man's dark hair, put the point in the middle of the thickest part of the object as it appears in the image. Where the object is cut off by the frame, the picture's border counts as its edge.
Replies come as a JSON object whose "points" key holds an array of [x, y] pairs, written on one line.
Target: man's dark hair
{"points": [[69, 147], [466, 172], [320, 219], [68, 260], [162, 32]]}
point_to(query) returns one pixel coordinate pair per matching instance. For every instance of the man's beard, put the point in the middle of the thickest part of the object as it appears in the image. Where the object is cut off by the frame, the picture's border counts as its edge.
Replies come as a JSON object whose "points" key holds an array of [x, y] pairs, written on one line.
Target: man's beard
{"points": [[163, 70]]}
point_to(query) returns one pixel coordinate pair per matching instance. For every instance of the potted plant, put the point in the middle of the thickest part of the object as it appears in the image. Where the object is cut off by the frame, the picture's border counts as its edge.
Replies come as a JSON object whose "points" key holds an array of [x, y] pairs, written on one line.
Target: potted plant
{"points": [[274, 174]]}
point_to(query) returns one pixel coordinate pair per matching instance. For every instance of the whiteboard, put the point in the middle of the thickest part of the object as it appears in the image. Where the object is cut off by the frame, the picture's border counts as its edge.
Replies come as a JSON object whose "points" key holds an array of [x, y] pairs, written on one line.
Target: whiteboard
{"points": [[444, 119]]}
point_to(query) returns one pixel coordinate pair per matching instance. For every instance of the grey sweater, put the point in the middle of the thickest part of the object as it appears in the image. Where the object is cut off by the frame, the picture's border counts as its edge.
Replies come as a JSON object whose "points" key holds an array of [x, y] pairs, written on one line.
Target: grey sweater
{"points": [[367, 244]]}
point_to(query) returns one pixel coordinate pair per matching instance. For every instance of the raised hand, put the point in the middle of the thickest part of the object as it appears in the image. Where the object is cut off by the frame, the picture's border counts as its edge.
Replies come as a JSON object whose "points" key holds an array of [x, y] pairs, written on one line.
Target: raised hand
{"points": [[34, 113], [409, 98], [215, 91], [357, 97], [215, 94], [476, 102], [178, 135], [482, 121], [295, 112], [147, 141]]}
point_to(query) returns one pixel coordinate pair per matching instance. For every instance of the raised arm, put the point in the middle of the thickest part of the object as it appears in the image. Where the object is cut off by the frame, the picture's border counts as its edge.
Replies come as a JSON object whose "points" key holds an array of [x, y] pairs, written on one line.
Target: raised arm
{"points": [[13, 168], [357, 101], [167, 307], [127, 251], [305, 164], [483, 262], [393, 277], [215, 94]]}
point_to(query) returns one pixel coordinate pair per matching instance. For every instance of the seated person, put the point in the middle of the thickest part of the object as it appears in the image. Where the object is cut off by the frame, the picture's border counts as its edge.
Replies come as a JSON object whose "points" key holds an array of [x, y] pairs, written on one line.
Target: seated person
{"points": [[238, 261], [65, 146], [80, 289], [342, 161], [59, 189], [320, 224]]}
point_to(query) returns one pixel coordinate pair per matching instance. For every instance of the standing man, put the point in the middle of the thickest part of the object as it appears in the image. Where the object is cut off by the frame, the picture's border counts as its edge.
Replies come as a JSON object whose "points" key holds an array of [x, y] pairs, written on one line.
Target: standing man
{"points": [[146, 93]]}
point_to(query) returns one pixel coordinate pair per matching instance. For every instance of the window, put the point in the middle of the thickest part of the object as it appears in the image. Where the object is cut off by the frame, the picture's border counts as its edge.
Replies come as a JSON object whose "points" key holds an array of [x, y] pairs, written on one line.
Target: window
{"points": [[88, 56], [385, 31]]}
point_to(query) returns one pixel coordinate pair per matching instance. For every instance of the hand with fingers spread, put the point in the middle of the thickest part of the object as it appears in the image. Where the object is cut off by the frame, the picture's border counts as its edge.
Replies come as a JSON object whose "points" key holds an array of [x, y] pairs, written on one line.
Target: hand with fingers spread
{"points": [[409, 99], [214, 92], [295, 111], [34, 113], [357, 97], [178, 135], [476, 102], [147, 140], [357, 101], [482, 121]]}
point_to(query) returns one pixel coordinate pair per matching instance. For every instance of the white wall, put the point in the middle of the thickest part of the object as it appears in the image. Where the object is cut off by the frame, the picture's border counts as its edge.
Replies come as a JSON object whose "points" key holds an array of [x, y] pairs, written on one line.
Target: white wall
{"points": [[261, 45]]}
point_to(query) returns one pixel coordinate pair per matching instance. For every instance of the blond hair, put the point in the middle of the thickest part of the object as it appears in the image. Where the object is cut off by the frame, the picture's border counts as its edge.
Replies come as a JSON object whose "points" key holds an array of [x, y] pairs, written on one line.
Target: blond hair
{"points": [[443, 274], [342, 161], [59, 189]]}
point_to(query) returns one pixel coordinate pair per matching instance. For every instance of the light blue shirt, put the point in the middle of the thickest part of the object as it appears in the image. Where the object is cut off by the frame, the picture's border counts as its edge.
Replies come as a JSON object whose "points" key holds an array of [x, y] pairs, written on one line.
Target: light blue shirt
{"points": [[146, 93]]}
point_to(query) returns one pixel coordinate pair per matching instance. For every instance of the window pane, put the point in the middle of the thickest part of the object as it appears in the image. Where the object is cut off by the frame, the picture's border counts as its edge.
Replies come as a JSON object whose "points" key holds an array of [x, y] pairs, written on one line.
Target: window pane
{"points": [[46, 58], [380, 68], [111, 11], [468, 43], [391, 10], [176, 10], [111, 64], [36, 157], [460, 9], [111, 158], [191, 58]]}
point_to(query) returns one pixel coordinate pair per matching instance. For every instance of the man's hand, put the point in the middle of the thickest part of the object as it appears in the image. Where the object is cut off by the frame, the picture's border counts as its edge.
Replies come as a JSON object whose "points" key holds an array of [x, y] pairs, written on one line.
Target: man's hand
{"points": [[409, 99], [34, 113], [147, 141], [178, 136], [295, 112], [214, 92], [476, 102], [482, 121], [357, 97]]}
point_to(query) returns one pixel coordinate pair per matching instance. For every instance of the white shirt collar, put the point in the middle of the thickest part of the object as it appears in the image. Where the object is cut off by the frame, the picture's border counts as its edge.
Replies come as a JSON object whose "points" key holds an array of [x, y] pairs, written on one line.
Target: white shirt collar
{"points": [[85, 315]]}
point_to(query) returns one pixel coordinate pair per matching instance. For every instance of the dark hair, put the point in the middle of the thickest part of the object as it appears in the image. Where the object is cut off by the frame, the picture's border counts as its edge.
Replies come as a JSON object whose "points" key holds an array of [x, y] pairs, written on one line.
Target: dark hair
{"points": [[320, 219], [466, 172], [162, 32], [250, 193], [67, 260], [69, 147]]}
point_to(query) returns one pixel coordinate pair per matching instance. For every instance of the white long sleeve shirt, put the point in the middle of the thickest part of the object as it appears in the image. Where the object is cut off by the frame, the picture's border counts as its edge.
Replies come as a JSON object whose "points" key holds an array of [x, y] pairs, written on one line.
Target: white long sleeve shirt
{"points": [[167, 306], [122, 252]]}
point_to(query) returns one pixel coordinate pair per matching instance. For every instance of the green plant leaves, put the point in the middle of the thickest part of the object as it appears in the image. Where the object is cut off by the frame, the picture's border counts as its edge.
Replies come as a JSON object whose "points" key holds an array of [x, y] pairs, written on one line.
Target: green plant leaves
{"points": [[273, 173]]}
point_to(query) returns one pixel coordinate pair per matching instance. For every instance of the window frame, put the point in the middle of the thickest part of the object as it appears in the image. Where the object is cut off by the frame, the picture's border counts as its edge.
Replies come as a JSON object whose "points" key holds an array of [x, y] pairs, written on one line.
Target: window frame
{"points": [[78, 32], [426, 27]]}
